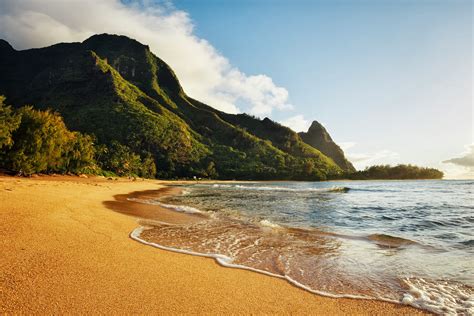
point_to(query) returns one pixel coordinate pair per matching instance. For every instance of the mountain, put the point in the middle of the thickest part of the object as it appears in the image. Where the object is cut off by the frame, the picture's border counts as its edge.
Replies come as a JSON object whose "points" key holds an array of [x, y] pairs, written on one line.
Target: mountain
{"points": [[318, 137], [116, 89]]}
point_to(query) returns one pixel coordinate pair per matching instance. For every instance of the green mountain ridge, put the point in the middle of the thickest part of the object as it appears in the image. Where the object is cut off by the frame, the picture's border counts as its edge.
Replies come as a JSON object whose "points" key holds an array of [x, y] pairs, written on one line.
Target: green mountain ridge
{"points": [[117, 89]]}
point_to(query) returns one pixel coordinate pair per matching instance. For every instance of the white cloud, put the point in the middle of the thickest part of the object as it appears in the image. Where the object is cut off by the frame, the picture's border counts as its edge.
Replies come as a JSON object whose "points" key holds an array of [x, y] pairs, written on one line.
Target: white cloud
{"points": [[204, 73], [466, 158], [297, 123], [346, 145], [452, 171], [379, 156], [461, 167], [362, 160]]}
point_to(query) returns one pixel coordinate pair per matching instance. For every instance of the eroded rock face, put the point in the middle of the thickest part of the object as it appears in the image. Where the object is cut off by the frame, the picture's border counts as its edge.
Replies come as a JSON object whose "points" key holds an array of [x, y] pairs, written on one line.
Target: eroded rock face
{"points": [[319, 138]]}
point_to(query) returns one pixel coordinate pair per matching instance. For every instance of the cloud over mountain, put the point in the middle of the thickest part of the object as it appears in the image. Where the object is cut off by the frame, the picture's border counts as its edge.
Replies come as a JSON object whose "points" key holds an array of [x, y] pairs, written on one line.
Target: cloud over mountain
{"points": [[204, 73], [466, 160], [297, 123], [365, 159]]}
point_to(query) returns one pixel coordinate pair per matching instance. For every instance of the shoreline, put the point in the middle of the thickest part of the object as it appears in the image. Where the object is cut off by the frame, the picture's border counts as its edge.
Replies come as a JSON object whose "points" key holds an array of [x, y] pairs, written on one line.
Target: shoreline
{"points": [[66, 251]]}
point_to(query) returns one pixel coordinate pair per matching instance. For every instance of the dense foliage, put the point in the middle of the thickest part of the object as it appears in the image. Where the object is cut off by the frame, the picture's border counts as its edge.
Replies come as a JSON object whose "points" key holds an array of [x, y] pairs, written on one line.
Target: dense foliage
{"points": [[141, 120], [396, 172], [36, 141], [122, 161], [9, 122], [40, 142]]}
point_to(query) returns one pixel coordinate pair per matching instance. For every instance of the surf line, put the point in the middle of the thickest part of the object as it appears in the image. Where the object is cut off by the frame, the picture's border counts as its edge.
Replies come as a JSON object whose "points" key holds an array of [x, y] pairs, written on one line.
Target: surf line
{"points": [[225, 261]]}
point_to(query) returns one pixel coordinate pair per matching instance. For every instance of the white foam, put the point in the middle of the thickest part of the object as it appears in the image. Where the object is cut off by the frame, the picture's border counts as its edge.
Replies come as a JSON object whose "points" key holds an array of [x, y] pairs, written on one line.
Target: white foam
{"points": [[440, 297], [177, 208], [280, 188], [180, 208], [270, 224], [226, 261]]}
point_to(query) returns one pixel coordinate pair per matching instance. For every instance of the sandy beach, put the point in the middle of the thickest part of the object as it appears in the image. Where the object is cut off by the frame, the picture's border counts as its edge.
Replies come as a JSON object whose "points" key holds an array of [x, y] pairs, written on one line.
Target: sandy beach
{"points": [[64, 250]]}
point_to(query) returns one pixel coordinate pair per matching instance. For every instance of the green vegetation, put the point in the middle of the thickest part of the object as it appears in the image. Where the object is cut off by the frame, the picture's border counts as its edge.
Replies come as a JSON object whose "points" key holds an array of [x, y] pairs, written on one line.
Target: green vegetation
{"points": [[9, 122], [40, 142], [36, 141], [132, 117], [400, 172], [130, 101], [122, 161]]}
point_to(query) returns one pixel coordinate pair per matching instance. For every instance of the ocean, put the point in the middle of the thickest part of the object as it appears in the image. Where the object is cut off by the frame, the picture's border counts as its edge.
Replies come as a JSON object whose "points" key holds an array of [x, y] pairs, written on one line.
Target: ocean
{"points": [[409, 242]]}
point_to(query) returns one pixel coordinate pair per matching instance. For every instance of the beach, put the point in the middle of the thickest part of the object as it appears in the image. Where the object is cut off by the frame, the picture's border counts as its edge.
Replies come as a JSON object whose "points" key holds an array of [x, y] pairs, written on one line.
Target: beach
{"points": [[65, 250]]}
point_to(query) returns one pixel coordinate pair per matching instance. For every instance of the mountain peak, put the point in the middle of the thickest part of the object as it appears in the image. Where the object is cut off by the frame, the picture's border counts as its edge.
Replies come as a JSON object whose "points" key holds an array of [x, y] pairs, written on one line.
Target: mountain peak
{"points": [[316, 126], [319, 138], [4, 45], [114, 42]]}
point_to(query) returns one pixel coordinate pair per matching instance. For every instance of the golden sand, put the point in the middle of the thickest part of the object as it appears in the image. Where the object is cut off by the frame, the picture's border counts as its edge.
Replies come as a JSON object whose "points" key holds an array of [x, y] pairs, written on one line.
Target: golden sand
{"points": [[62, 250]]}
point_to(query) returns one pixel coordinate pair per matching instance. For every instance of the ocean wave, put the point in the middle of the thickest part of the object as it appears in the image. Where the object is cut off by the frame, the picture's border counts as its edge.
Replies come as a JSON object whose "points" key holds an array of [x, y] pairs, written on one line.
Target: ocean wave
{"points": [[439, 297], [185, 192], [268, 223], [469, 243], [280, 188], [177, 208], [373, 190], [390, 241]]}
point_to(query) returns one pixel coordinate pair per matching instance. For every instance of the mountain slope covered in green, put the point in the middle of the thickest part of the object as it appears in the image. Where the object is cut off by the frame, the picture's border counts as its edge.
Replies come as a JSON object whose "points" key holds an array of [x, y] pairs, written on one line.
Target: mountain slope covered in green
{"points": [[115, 89]]}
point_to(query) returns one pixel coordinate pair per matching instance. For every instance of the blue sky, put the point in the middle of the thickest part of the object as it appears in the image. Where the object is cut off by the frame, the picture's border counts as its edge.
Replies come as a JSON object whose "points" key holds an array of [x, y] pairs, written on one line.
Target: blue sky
{"points": [[390, 76], [390, 80]]}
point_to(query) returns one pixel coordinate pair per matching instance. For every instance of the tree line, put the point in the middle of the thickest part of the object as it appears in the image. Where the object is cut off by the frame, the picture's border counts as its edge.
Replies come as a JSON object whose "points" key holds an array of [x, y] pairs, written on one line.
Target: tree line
{"points": [[400, 172], [34, 141]]}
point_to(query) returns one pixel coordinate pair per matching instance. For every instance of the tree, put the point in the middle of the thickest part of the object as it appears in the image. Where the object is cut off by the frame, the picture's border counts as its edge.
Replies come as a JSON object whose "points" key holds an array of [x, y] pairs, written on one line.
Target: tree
{"points": [[121, 160], [9, 121], [78, 155], [42, 143], [38, 142], [211, 170], [147, 167], [396, 172]]}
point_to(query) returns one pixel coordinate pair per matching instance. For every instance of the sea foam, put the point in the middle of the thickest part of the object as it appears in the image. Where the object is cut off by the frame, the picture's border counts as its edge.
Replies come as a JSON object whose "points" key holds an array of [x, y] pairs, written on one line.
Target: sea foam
{"points": [[270, 224], [226, 261], [281, 188], [440, 297], [177, 208]]}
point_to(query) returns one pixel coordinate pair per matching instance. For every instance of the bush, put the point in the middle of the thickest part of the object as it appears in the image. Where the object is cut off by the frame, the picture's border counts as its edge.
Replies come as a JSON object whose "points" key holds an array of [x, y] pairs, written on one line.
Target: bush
{"points": [[42, 143], [122, 161], [9, 121]]}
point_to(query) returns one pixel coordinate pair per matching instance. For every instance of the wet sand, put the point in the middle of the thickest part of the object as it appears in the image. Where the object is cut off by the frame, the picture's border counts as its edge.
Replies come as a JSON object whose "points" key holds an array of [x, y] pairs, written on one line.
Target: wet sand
{"points": [[64, 251], [124, 204]]}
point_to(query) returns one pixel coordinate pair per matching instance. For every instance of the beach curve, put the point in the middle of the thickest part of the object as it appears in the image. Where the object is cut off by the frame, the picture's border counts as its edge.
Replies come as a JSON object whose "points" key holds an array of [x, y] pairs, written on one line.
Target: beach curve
{"points": [[65, 251]]}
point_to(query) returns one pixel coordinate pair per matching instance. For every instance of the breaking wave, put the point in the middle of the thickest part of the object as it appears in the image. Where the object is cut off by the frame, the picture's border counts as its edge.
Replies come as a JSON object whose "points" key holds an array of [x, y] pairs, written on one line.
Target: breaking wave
{"points": [[281, 188], [177, 208]]}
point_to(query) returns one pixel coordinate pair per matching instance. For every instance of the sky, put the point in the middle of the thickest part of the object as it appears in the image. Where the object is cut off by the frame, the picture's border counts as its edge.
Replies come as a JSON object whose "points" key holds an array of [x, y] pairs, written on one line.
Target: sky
{"points": [[390, 80]]}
